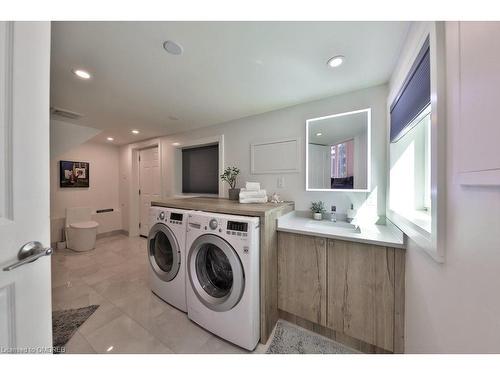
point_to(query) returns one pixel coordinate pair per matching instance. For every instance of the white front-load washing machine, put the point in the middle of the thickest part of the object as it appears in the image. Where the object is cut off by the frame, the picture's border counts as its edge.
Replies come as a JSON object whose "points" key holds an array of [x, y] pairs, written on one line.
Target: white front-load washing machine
{"points": [[222, 288], [167, 254]]}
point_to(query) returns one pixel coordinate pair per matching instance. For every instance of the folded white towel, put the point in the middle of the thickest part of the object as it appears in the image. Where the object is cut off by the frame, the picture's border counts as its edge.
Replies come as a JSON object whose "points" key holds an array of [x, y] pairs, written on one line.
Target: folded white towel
{"points": [[253, 200], [254, 186], [252, 194]]}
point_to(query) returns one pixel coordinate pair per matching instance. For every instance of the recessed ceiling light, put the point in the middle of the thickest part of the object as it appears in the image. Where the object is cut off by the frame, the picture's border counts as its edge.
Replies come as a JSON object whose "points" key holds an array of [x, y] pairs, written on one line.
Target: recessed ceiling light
{"points": [[172, 47], [81, 74], [176, 144], [135, 131], [335, 61], [319, 134], [111, 139]]}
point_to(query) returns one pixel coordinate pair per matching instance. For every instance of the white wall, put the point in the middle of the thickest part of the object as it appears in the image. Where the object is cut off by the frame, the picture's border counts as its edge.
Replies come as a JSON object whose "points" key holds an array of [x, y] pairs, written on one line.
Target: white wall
{"points": [[454, 307], [102, 193], [65, 136], [284, 123]]}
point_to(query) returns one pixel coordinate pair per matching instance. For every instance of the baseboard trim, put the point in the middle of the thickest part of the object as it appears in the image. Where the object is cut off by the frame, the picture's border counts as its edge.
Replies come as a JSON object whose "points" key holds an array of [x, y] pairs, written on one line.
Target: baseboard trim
{"points": [[112, 233], [100, 235]]}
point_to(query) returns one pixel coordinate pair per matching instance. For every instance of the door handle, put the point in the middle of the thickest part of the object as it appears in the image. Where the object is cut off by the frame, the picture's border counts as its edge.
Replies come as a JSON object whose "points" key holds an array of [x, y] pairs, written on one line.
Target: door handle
{"points": [[28, 253]]}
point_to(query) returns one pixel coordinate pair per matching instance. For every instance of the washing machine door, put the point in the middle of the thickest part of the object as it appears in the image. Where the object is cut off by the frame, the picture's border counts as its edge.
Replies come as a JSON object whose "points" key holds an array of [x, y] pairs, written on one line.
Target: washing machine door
{"points": [[164, 253], [215, 272]]}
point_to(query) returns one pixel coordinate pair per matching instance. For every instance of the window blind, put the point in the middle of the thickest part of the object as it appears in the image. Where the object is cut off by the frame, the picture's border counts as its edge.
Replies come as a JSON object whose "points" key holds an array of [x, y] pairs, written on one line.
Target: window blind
{"points": [[414, 96], [200, 170]]}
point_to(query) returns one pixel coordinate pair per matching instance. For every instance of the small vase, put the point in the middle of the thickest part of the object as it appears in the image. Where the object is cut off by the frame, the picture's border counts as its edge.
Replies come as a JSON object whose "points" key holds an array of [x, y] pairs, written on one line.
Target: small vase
{"points": [[234, 194], [317, 216]]}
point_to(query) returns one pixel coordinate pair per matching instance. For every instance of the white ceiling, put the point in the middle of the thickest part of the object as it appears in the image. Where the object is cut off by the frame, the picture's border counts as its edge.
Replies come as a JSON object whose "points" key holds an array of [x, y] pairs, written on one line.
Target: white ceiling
{"points": [[228, 70], [337, 129]]}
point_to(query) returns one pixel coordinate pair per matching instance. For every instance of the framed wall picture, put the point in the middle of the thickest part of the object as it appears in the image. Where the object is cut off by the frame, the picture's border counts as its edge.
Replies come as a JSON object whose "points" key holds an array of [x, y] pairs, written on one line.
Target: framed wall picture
{"points": [[74, 174]]}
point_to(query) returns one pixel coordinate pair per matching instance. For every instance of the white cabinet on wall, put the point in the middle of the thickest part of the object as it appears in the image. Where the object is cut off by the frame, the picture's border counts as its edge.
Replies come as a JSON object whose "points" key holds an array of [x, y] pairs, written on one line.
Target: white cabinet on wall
{"points": [[479, 102]]}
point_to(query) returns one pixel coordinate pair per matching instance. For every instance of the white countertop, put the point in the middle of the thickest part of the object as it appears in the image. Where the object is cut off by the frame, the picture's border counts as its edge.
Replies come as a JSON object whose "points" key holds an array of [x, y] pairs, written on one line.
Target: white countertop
{"points": [[302, 223]]}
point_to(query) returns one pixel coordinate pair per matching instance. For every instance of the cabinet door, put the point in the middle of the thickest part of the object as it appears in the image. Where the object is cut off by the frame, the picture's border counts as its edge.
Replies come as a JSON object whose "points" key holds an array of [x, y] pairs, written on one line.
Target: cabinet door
{"points": [[479, 132], [302, 276], [361, 292]]}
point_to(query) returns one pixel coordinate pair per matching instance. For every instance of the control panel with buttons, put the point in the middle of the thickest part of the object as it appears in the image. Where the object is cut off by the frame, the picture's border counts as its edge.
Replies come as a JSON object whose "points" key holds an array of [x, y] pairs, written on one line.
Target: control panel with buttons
{"points": [[173, 218], [233, 228]]}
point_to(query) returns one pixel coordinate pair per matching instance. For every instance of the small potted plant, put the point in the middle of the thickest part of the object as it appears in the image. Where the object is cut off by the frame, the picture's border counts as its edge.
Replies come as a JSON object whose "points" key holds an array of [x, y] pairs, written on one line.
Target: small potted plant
{"points": [[318, 209], [230, 174]]}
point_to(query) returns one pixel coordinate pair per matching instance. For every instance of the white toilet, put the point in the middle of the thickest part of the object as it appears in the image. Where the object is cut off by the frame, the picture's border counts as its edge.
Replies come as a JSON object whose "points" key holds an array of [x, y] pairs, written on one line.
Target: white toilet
{"points": [[81, 230]]}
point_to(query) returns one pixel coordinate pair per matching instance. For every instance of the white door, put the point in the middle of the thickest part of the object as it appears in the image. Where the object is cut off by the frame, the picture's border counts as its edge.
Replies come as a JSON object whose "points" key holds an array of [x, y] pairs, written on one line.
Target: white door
{"points": [[25, 293], [149, 185]]}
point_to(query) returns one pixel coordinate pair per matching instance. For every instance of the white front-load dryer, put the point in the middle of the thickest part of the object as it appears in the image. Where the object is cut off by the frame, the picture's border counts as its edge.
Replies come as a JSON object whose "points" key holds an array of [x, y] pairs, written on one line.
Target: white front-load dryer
{"points": [[167, 255], [222, 287]]}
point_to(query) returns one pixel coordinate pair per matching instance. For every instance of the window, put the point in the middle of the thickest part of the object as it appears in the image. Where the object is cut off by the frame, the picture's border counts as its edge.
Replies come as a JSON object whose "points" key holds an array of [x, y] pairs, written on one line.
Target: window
{"points": [[410, 148], [342, 164], [200, 169], [410, 193], [342, 159], [416, 200]]}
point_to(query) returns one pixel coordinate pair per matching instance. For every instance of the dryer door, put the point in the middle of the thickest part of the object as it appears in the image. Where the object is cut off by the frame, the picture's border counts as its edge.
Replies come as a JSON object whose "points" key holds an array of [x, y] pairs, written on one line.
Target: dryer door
{"points": [[215, 273], [164, 253]]}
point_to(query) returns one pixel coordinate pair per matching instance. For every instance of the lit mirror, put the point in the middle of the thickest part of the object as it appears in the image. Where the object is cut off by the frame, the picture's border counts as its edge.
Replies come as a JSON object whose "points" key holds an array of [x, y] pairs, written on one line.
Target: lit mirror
{"points": [[338, 152]]}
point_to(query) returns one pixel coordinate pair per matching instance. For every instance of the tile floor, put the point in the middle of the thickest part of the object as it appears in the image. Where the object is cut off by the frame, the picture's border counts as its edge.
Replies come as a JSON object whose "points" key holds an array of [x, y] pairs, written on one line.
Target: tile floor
{"points": [[130, 319]]}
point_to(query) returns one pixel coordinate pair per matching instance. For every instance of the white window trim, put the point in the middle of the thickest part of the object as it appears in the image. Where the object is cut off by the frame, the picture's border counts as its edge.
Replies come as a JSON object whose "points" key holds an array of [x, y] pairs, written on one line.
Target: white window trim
{"points": [[432, 243], [218, 139], [427, 190]]}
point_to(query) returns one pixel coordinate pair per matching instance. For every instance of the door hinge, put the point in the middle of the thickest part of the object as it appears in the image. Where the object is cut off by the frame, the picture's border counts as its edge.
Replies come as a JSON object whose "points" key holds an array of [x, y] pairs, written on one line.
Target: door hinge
{"points": [[139, 225], [139, 191], [139, 158]]}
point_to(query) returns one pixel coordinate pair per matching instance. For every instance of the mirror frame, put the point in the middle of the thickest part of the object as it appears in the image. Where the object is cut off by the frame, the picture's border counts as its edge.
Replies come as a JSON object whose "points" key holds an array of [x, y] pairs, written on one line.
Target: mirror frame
{"points": [[369, 146]]}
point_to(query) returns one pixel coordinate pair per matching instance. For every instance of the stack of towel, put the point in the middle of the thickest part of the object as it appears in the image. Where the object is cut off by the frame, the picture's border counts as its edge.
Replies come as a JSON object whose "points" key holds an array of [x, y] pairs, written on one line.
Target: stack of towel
{"points": [[252, 193]]}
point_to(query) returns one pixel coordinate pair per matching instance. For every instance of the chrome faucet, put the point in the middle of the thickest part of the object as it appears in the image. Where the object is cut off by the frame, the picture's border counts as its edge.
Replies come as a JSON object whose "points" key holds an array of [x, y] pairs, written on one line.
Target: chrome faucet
{"points": [[333, 214]]}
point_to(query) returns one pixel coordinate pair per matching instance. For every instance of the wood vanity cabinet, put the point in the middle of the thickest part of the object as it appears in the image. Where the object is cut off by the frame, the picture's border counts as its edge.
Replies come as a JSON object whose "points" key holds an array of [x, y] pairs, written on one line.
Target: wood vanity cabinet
{"points": [[360, 286], [349, 291], [302, 276]]}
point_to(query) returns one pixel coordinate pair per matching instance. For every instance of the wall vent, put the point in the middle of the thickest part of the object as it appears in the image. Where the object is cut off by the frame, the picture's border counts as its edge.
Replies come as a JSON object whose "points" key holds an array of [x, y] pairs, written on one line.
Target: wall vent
{"points": [[59, 112]]}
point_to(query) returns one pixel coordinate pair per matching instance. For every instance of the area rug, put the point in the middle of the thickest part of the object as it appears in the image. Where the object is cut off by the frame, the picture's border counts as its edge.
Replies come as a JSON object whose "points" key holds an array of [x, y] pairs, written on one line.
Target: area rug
{"points": [[66, 322], [291, 339]]}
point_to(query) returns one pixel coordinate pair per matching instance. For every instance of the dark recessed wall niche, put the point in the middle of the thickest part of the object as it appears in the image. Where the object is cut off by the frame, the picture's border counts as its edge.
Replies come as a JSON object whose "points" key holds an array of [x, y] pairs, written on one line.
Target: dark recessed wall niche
{"points": [[200, 170]]}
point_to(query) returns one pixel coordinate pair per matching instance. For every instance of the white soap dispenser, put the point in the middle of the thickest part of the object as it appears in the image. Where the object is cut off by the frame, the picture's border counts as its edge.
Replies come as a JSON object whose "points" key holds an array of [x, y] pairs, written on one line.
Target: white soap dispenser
{"points": [[351, 213]]}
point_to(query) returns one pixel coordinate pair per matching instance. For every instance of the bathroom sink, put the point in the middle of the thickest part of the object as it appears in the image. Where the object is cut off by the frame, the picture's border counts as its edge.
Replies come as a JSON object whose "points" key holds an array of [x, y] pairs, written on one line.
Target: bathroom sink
{"points": [[301, 222], [342, 226]]}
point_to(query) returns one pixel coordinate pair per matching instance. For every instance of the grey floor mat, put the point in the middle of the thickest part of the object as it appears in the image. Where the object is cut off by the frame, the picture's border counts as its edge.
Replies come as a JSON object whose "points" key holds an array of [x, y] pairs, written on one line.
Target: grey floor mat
{"points": [[66, 322], [291, 339]]}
